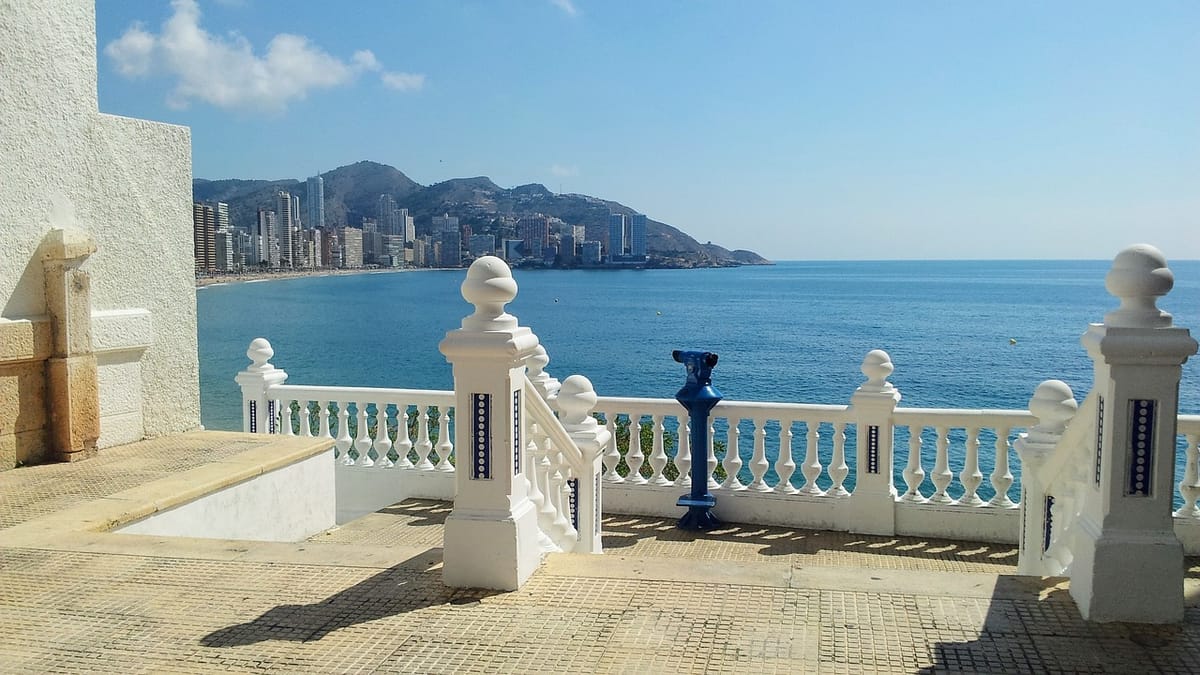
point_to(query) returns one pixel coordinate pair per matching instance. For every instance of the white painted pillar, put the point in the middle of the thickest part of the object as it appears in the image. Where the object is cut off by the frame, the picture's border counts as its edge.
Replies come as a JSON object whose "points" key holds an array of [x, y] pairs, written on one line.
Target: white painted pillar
{"points": [[1127, 563], [576, 401], [258, 408], [1053, 404], [491, 535], [873, 502]]}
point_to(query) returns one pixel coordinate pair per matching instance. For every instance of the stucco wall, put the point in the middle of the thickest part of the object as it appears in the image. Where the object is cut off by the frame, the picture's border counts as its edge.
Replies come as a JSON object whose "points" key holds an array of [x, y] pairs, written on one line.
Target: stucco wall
{"points": [[129, 183]]}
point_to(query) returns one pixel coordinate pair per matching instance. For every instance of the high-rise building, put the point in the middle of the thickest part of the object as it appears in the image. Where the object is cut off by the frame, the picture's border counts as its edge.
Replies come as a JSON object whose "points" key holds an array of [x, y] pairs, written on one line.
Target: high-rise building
{"points": [[535, 232], [407, 225], [264, 240], [352, 248], [222, 211], [385, 214], [204, 230], [223, 250], [316, 203], [444, 223], [589, 252], [451, 251], [616, 235], [637, 235], [392, 251], [284, 222], [482, 244]]}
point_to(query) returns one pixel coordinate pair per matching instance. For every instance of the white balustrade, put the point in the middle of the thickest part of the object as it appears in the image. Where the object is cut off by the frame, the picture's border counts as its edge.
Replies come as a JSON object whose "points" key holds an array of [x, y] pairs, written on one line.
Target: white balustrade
{"points": [[1189, 488]]}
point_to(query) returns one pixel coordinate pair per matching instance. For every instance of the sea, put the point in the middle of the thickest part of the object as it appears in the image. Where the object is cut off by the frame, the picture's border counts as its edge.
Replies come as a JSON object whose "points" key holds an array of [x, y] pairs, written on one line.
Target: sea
{"points": [[961, 334]]}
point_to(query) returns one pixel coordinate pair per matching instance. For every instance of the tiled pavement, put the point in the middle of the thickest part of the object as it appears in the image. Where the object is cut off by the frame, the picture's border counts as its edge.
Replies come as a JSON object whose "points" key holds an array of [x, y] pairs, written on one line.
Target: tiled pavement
{"points": [[367, 597]]}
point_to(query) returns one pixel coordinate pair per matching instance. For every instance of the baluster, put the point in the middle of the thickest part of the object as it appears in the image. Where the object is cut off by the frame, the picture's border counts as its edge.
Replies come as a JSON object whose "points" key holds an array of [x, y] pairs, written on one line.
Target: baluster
{"points": [[383, 444], [547, 514], [305, 415], [733, 458], [758, 461], [285, 416], [612, 456], [445, 446], [558, 495], [276, 420], [343, 441], [811, 467], [971, 476], [324, 417], [914, 475], [785, 466], [362, 444], [712, 455], [941, 475], [1002, 478], [683, 456], [424, 445], [837, 464], [658, 453], [403, 443], [634, 458], [1189, 488]]}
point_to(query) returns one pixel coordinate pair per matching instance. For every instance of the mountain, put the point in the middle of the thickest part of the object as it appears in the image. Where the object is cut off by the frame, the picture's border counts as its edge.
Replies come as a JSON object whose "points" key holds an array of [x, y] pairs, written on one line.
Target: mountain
{"points": [[352, 193]]}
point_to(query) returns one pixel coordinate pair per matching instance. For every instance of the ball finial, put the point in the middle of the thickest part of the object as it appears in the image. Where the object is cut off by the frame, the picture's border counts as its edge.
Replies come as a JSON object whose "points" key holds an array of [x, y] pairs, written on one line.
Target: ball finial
{"points": [[1139, 276], [876, 366], [576, 400], [489, 286], [1053, 404], [259, 352]]}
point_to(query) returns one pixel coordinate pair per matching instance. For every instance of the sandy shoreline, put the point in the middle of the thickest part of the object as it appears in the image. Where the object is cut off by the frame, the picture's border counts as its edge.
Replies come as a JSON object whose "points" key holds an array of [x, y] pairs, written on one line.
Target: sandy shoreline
{"points": [[293, 274]]}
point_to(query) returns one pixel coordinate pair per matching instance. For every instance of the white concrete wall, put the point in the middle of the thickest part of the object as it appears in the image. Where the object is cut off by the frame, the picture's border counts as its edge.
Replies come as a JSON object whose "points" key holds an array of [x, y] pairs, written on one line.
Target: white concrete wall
{"points": [[130, 184], [289, 504]]}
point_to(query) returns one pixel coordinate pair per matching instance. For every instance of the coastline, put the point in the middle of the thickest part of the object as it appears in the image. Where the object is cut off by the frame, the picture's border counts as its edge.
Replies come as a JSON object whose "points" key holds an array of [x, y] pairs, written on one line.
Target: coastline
{"points": [[247, 277]]}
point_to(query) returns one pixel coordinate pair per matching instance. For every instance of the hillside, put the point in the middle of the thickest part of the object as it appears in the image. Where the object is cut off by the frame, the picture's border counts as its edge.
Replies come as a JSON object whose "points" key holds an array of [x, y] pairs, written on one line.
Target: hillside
{"points": [[352, 192]]}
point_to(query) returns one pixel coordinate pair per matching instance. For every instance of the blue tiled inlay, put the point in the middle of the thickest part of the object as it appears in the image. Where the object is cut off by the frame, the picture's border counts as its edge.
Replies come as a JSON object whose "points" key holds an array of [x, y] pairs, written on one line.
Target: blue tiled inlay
{"points": [[271, 417], [1141, 447], [873, 449], [1099, 434], [254, 417], [481, 437], [516, 435], [574, 498], [1047, 522], [596, 505]]}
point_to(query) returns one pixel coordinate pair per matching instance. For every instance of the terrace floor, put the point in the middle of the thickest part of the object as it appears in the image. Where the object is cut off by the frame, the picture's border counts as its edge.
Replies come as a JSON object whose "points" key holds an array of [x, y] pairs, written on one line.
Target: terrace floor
{"points": [[368, 596]]}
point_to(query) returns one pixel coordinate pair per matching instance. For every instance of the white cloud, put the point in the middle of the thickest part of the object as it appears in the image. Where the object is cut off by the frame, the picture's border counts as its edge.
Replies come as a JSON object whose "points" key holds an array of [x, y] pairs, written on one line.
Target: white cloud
{"points": [[564, 171], [566, 5], [403, 81], [226, 73]]}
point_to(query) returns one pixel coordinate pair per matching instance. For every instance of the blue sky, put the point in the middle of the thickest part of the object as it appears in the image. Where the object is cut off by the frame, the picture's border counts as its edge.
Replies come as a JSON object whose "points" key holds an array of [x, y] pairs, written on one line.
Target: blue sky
{"points": [[801, 130]]}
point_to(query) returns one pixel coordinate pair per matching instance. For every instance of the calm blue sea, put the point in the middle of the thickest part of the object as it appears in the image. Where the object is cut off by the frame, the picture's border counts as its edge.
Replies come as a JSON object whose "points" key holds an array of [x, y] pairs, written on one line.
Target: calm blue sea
{"points": [[795, 331]]}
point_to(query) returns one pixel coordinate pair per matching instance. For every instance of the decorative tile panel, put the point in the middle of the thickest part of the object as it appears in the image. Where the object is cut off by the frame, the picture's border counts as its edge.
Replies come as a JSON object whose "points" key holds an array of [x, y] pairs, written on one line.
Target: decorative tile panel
{"points": [[271, 417], [1099, 434], [1141, 448], [873, 449], [574, 501], [1047, 523], [481, 436], [254, 417], [516, 432], [596, 505]]}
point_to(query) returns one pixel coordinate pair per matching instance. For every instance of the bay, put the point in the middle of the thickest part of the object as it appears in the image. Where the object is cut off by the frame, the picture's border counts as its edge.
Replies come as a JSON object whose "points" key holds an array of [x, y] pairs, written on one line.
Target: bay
{"points": [[794, 331]]}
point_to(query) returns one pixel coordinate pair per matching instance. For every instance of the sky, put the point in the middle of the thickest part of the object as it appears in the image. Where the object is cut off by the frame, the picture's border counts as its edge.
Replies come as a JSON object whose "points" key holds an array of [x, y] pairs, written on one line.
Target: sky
{"points": [[802, 130]]}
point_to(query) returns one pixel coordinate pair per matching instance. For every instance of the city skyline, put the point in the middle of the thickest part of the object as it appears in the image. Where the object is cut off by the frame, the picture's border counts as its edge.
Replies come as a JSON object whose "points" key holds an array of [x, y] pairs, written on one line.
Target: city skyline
{"points": [[802, 132]]}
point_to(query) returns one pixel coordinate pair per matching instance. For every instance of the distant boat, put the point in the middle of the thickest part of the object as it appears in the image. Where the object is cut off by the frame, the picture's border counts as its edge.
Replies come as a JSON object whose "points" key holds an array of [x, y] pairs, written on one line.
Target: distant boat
{"points": [[1012, 341]]}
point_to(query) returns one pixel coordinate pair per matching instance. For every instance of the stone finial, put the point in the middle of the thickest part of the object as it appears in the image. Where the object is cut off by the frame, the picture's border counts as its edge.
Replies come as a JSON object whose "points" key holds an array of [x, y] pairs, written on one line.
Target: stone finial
{"points": [[576, 400], [876, 366], [1053, 404], [260, 353], [1139, 276], [537, 363], [489, 286]]}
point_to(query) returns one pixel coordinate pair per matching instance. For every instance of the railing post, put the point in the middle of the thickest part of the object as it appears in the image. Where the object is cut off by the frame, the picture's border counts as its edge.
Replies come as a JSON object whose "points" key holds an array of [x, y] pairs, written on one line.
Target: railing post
{"points": [[491, 535], [1127, 562], [576, 400], [873, 502], [258, 407], [1053, 404]]}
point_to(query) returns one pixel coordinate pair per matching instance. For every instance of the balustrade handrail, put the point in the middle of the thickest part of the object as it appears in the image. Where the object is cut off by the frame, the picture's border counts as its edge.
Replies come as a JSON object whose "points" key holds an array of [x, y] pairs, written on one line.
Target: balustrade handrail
{"points": [[544, 416], [1188, 424], [964, 417], [318, 392], [1079, 429]]}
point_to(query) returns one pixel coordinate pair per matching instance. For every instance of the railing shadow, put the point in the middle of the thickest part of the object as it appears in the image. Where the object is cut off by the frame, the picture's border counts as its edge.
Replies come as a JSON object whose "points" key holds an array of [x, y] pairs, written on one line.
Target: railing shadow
{"points": [[405, 587], [634, 532], [420, 512]]}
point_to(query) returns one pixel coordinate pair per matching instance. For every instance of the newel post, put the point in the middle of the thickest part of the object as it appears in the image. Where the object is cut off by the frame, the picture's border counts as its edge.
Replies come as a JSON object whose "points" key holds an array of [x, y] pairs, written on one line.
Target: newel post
{"points": [[1127, 563], [258, 407], [491, 535], [576, 401], [873, 502], [1053, 404]]}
